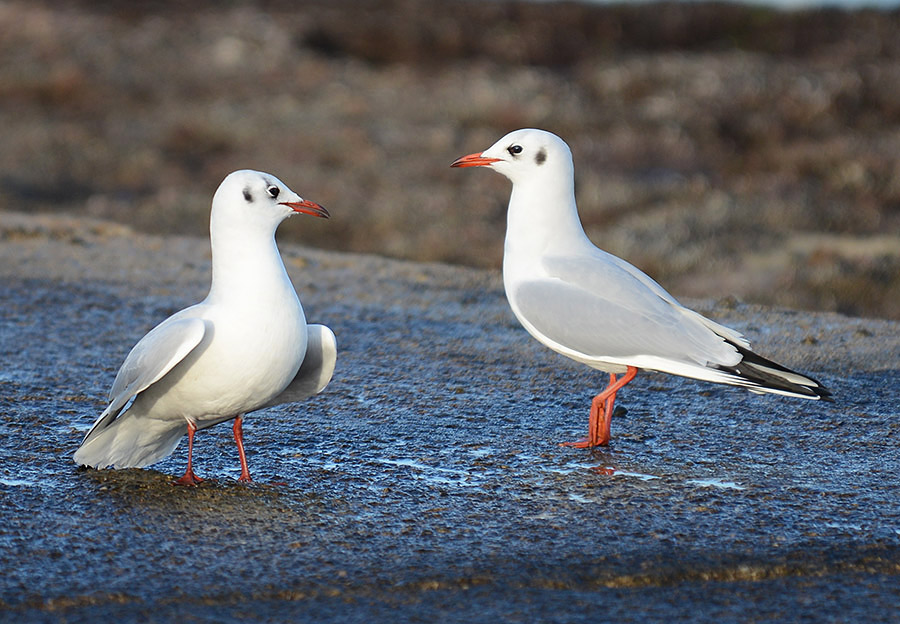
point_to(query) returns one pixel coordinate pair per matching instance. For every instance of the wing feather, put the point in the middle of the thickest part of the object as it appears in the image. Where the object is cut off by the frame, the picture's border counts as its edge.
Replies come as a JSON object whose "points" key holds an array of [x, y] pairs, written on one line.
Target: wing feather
{"points": [[149, 360], [317, 368], [604, 310], [598, 257]]}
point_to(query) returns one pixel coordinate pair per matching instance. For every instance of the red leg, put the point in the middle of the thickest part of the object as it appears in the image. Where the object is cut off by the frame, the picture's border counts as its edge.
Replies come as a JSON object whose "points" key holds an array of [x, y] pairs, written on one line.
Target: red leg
{"points": [[599, 415], [239, 438], [603, 435], [189, 477], [601, 412]]}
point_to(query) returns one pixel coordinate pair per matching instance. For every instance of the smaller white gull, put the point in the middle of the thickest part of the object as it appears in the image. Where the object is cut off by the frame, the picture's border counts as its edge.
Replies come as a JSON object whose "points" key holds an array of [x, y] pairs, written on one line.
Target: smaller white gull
{"points": [[245, 347], [596, 308]]}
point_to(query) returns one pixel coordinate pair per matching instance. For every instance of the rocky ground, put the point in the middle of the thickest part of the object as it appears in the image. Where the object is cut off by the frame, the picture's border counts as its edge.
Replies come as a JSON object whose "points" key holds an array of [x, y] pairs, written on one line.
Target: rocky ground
{"points": [[734, 153], [427, 483], [726, 150]]}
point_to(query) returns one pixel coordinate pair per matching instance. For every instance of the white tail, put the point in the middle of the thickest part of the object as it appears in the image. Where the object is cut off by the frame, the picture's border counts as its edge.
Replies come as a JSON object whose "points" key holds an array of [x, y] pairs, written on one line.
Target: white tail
{"points": [[130, 442]]}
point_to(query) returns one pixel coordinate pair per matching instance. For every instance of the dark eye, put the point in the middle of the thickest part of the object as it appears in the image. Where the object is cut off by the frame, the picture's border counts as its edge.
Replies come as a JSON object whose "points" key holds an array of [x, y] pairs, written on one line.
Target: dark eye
{"points": [[273, 191], [514, 150]]}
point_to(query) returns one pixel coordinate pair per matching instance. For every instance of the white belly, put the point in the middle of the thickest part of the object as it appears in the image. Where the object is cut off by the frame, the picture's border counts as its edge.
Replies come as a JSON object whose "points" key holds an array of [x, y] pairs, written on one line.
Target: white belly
{"points": [[245, 359]]}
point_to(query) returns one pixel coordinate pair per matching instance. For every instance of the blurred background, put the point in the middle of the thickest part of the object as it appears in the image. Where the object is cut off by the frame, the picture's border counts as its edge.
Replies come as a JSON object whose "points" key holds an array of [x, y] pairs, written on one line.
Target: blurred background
{"points": [[726, 149]]}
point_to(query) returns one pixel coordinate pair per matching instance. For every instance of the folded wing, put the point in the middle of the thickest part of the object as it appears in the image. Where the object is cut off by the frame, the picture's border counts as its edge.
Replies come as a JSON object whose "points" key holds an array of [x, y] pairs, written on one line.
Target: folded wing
{"points": [[156, 354], [316, 370], [603, 311]]}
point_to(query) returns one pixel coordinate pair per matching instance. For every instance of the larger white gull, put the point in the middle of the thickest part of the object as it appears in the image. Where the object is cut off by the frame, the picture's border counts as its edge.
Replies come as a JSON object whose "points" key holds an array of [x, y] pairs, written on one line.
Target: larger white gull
{"points": [[596, 308]]}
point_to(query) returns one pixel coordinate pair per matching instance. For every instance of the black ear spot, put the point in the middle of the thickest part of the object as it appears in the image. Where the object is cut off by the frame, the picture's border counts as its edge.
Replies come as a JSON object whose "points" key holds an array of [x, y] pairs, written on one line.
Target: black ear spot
{"points": [[541, 156], [247, 195]]}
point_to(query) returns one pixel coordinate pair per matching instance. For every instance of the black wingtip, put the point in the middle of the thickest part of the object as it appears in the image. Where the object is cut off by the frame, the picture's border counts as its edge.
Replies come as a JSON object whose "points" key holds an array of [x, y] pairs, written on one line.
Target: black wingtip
{"points": [[765, 374]]}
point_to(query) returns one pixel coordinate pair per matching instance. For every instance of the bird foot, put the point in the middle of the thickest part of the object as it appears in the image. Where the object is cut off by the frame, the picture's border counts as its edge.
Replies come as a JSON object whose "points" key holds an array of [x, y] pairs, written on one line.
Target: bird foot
{"points": [[189, 479]]}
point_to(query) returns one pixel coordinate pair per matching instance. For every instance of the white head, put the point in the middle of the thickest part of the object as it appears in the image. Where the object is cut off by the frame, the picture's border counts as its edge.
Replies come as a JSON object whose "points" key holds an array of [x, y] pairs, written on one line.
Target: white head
{"points": [[253, 200], [525, 155], [542, 211]]}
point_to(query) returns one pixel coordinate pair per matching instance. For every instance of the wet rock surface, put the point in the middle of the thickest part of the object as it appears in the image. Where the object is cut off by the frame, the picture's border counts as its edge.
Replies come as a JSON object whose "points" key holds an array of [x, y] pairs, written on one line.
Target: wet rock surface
{"points": [[426, 483]]}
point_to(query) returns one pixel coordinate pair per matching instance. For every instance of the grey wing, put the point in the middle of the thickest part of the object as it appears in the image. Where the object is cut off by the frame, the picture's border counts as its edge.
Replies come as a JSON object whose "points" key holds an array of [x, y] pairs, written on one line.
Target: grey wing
{"points": [[602, 310], [150, 359], [567, 265], [316, 370]]}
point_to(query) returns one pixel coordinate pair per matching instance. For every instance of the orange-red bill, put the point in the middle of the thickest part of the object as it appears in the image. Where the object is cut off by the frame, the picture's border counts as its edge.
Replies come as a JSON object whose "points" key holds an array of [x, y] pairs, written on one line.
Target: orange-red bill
{"points": [[307, 207], [473, 160]]}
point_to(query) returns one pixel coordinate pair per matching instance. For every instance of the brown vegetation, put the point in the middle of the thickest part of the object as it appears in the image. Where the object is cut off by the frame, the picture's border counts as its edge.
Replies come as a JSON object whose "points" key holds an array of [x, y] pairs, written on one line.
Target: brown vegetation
{"points": [[724, 149]]}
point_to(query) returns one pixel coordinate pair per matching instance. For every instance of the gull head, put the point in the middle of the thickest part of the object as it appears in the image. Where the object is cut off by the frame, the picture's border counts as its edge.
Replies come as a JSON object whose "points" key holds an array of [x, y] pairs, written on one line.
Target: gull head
{"points": [[251, 199], [524, 155]]}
